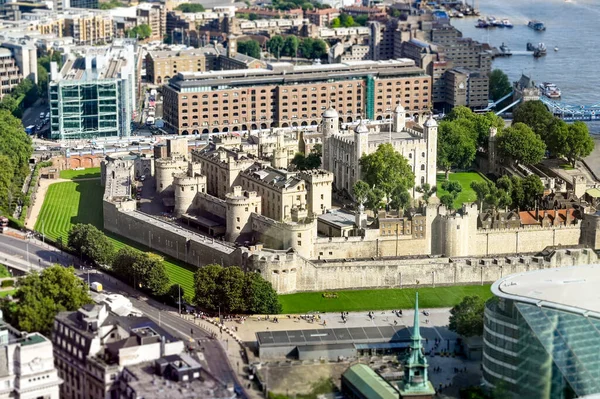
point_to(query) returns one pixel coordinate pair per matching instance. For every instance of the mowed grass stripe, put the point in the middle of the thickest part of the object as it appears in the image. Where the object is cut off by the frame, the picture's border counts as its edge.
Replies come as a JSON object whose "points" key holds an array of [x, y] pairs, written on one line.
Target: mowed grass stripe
{"points": [[68, 203], [80, 174], [381, 299]]}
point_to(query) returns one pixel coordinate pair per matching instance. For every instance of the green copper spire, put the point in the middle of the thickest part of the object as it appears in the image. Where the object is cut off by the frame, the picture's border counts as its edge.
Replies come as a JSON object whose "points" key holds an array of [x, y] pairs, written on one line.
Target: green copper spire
{"points": [[415, 382]]}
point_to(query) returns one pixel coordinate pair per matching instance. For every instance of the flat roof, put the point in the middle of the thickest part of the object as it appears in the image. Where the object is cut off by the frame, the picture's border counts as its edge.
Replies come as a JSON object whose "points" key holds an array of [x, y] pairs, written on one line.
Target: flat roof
{"points": [[369, 383], [376, 334], [573, 288], [338, 218]]}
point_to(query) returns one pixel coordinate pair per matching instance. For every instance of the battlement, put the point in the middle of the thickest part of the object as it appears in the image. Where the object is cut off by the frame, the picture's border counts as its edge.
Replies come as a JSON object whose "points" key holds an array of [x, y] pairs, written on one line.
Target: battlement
{"points": [[316, 176], [183, 179], [170, 162], [239, 196]]}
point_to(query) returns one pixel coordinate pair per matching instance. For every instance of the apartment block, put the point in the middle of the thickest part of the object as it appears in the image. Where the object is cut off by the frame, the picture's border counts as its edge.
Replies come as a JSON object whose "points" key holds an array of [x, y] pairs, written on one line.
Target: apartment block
{"points": [[466, 87], [92, 346], [25, 56], [10, 76], [322, 17], [85, 26], [283, 95]]}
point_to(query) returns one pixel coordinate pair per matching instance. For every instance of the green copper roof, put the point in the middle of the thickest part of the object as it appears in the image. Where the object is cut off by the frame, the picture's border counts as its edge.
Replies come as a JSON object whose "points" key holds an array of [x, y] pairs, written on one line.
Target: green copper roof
{"points": [[370, 384]]}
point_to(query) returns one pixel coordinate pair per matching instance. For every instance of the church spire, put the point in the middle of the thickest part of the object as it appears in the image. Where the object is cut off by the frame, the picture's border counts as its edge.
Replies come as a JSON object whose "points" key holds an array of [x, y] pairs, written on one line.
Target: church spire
{"points": [[415, 382]]}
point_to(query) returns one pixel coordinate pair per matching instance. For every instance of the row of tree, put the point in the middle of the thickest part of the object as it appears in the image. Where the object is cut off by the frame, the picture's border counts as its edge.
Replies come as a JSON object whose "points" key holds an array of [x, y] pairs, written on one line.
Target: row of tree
{"points": [[15, 151], [231, 290], [562, 140], [139, 269], [286, 5], [509, 192], [291, 46]]}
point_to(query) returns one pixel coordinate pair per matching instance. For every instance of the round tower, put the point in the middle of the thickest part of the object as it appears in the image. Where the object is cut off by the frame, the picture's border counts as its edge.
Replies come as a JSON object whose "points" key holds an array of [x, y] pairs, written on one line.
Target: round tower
{"points": [[329, 126], [240, 205], [185, 188], [164, 169]]}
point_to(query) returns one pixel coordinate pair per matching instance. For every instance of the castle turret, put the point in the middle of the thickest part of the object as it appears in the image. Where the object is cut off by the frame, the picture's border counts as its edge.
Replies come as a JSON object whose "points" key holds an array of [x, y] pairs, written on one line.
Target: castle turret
{"points": [[240, 206], [329, 126], [361, 143], [399, 118], [492, 154], [186, 186], [430, 133], [165, 169]]}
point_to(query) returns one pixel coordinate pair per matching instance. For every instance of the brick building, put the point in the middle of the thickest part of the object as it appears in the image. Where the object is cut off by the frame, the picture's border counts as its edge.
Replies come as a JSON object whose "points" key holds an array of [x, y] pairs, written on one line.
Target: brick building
{"points": [[286, 95]]}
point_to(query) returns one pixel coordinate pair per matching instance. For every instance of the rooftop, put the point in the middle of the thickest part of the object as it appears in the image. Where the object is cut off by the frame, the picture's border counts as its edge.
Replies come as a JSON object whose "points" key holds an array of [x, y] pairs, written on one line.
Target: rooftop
{"points": [[371, 384], [574, 289], [338, 218]]}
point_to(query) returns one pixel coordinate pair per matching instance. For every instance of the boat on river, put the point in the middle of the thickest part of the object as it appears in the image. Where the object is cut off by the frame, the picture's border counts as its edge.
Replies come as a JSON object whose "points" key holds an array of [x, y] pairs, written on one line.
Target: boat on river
{"points": [[537, 25], [550, 90]]}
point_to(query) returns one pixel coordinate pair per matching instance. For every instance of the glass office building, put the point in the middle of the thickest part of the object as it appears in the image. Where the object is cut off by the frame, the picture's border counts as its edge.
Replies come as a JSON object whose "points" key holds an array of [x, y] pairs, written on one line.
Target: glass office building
{"points": [[94, 94], [542, 333]]}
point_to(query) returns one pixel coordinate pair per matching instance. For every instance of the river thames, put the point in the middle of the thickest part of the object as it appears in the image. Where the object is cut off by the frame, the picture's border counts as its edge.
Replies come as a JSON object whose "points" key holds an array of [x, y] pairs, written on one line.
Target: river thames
{"points": [[571, 26]]}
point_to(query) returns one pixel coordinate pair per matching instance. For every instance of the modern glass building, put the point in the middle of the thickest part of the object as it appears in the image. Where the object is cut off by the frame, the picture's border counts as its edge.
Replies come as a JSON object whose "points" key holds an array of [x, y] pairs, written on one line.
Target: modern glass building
{"points": [[94, 93], [542, 333]]}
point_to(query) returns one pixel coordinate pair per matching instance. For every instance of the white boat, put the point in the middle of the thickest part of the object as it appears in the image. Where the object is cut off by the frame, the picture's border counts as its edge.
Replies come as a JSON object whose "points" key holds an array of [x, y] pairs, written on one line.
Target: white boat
{"points": [[550, 90], [555, 48], [506, 23]]}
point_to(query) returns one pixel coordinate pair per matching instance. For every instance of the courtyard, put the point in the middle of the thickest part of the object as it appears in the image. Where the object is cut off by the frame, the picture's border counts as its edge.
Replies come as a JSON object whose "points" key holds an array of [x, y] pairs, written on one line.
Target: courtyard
{"points": [[464, 178]]}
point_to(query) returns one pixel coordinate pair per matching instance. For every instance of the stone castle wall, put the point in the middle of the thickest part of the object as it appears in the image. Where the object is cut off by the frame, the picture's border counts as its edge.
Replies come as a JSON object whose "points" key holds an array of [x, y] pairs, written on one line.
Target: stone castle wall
{"points": [[166, 238]]}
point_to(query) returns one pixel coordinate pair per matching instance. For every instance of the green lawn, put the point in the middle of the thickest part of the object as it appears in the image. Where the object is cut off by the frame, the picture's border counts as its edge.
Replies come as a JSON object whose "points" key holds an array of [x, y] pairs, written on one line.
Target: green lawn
{"points": [[80, 174], [464, 178], [381, 299], [7, 292], [68, 203]]}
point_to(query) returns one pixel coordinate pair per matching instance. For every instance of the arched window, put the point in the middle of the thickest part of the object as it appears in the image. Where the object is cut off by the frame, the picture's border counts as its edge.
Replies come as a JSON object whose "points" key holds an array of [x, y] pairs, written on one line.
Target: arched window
{"points": [[423, 167]]}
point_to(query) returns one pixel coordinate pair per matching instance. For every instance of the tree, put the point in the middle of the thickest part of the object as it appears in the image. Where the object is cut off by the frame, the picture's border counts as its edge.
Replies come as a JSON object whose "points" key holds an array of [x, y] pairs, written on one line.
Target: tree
{"points": [[152, 274], [275, 45], [306, 47], [141, 32], [311, 161], [447, 200], [499, 84], [521, 144], [260, 296], [290, 46], [205, 282], [466, 318], [557, 133], [90, 242], [387, 170], [533, 188], [190, 7], [319, 49], [477, 125], [122, 265], [375, 199], [361, 20], [456, 146], [253, 16], [6, 183], [250, 48], [336, 23], [579, 143], [426, 192], [40, 297], [535, 115], [482, 189], [400, 199], [361, 192]]}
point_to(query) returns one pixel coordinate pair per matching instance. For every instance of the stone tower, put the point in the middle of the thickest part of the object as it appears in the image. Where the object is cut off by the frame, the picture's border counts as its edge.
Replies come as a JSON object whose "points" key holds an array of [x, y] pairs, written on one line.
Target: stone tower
{"points": [[430, 134], [492, 152], [399, 118], [415, 383], [240, 205], [329, 126], [231, 46], [361, 142]]}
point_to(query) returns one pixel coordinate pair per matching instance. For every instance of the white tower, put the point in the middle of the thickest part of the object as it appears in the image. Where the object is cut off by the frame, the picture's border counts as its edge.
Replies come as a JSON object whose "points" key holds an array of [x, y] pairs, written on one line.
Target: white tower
{"points": [[361, 144], [399, 118], [329, 126], [430, 133]]}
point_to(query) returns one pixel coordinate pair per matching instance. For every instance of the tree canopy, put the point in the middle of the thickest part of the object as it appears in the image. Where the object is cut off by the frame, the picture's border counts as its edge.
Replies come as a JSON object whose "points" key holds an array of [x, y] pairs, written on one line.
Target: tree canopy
{"points": [[250, 48], [142, 270], [311, 161], [141, 32], [231, 290], [499, 86], [466, 318], [456, 146], [388, 170], [15, 151], [426, 191], [520, 143], [535, 115], [90, 242], [190, 7], [41, 296], [569, 141]]}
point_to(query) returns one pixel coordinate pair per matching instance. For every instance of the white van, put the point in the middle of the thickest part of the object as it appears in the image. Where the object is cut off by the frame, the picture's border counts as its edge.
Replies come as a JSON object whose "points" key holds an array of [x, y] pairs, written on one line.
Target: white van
{"points": [[96, 287]]}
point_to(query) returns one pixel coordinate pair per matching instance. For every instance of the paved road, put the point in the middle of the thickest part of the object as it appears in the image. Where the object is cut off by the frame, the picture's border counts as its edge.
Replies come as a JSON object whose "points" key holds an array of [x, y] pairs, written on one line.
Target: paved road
{"points": [[166, 316]]}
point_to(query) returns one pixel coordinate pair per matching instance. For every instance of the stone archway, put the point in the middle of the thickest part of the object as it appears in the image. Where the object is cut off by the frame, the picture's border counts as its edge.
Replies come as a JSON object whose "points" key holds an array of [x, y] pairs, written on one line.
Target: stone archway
{"points": [[225, 130], [185, 133], [236, 128], [285, 125], [349, 119], [304, 123], [205, 131], [380, 118], [253, 127], [294, 124], [314, 123], [263, 125], [215, 130], [244, 127], [195, 131]]}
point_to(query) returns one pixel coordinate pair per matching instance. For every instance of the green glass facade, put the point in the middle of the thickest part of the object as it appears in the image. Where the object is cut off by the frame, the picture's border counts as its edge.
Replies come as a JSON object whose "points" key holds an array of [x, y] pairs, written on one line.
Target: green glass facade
{"points": [[536, 351], [88, 109]]}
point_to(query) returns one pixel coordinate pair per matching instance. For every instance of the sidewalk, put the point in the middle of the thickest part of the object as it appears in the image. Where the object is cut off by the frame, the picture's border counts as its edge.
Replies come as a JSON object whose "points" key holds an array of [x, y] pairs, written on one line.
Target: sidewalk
{"points": [[234, 350]]}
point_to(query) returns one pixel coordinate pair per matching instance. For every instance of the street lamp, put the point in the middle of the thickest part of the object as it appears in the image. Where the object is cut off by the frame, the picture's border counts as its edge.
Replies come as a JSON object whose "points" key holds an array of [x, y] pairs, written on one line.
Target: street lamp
{"points": [[179, 301]]}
